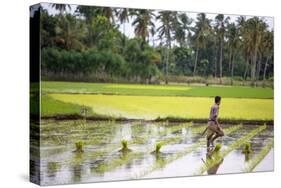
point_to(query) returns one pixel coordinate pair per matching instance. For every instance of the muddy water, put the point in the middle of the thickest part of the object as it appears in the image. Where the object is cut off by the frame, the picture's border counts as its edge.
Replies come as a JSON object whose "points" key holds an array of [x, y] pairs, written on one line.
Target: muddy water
{"points": [[102, 160]]}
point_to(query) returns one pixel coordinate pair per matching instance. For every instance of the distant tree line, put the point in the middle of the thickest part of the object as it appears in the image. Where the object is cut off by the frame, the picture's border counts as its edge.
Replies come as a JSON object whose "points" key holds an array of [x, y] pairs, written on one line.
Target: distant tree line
{"points": [[91, 43]]}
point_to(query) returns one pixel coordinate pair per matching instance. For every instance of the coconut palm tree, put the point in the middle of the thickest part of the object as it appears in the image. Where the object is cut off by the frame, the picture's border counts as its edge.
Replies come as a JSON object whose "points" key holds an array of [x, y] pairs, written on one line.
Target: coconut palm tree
{"points": [[221, 23], [123, 15], [181, 26], [201, 31], [70, 32], [142, 23], [60, 7], [90, 12], [254, 28], [267, 46], [167, 19], [233, 41]]}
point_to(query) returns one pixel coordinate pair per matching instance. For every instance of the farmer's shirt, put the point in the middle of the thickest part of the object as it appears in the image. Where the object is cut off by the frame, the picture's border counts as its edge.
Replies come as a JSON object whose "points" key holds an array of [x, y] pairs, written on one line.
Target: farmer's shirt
{"points": [[214, 112]]}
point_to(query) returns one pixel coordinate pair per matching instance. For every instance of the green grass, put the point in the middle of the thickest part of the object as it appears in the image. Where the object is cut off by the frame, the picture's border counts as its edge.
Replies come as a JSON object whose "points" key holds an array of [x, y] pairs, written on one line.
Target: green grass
{"points": [[157, 90], [149, 107], [50, 107]]}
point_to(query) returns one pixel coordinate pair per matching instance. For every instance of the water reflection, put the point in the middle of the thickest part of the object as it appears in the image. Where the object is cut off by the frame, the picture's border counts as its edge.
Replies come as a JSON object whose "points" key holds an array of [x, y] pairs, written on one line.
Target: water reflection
{"points": [[103, 161]]}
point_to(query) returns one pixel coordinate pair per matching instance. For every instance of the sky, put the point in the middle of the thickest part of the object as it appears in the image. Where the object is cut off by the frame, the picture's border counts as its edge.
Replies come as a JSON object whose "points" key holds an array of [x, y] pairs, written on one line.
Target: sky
{"points": [[129, 31]]}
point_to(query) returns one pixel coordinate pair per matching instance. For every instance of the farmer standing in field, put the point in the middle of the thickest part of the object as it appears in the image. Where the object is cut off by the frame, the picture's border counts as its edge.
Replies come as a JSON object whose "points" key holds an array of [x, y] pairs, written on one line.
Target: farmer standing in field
{"points": [[214, 130]]}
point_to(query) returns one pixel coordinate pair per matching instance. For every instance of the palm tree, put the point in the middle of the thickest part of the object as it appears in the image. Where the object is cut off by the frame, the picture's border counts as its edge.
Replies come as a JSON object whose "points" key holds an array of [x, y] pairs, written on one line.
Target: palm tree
{"points": [[142, 23], [254, 29], [70, 32], [221, 23], [61, 7], [167, 19], [181, 26], [123, 15], [267, 46], [201, 31], [90, 12], [233, 37], [246, 43]]}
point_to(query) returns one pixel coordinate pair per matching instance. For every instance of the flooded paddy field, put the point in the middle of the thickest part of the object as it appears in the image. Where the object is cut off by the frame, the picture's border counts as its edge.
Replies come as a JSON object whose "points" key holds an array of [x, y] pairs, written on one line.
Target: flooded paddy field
{"points": [[91, 151]]}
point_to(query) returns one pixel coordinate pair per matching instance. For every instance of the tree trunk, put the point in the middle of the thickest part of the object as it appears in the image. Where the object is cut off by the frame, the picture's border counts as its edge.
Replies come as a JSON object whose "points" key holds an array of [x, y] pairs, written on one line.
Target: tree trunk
{"points": [[232, 69], [253, 67], [265, 67], [195, 63], [259, 67], [229, 62], [167, 63], [216, 53], [221, 47], [246, 68]]}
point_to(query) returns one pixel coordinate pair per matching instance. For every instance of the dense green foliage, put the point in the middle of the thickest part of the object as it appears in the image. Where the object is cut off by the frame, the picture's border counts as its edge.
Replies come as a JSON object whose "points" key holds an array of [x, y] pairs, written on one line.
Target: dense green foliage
{"points": [[92, 44]]}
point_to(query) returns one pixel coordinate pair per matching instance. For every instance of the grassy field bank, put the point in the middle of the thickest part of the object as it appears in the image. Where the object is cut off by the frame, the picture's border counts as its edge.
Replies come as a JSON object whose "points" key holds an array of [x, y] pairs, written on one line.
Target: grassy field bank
{"points": [[158, 90]]}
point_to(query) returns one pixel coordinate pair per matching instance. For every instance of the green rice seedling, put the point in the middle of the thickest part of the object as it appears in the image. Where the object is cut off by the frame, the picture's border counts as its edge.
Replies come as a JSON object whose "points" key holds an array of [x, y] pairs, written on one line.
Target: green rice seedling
{"points": [[124, 148], [79, 146], [217, 157], [217, 148], [247, 149], [157, 148], [259, 157]]}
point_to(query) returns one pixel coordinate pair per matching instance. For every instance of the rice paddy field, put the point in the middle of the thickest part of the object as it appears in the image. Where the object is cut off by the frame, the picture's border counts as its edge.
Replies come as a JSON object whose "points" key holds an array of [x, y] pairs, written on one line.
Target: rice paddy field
{"points": [[181, 150], [83, 150], [155, 101]]}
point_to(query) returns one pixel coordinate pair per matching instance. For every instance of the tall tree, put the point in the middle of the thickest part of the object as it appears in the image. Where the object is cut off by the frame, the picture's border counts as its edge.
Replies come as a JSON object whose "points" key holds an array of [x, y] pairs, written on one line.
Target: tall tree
{"points": [[167, 19], [221, 23], [60, 7], [254, 29], [142, 23], [233, 37], [267, 46], [69, 32], [181, 25], [201, 31]]}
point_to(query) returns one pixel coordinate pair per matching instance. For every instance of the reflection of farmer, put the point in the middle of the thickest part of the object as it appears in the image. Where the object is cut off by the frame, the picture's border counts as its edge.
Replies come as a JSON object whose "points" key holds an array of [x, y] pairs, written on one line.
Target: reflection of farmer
{"points": [[214, 130]]}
